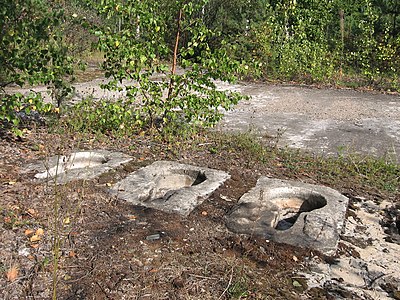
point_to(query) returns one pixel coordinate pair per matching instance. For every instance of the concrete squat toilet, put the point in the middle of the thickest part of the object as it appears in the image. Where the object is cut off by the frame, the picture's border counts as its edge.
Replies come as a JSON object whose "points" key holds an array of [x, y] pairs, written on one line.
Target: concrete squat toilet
{"points": [[169, 186], [291, 212], [78, 165]]}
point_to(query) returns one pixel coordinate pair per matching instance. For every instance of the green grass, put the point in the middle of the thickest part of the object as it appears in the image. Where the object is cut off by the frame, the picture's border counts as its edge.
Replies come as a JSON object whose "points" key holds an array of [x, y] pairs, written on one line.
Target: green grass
{"points": [[381, 173]]}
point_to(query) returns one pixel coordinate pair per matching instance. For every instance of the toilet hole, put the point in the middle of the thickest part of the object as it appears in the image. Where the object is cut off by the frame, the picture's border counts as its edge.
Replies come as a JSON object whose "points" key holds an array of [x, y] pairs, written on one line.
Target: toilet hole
{"points": [[82, 160], [290, 207], [166, 185]]}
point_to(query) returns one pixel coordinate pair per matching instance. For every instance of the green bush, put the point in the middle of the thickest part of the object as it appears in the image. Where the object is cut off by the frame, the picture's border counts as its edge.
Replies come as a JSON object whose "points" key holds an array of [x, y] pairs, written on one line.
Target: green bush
{"points": [[32, 51], [106, 117], [141, 47], [16, 109]]}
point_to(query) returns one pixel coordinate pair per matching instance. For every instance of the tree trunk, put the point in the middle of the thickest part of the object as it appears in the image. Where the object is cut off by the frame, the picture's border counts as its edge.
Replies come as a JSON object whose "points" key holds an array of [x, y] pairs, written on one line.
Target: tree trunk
{"points": [[175, 57]]}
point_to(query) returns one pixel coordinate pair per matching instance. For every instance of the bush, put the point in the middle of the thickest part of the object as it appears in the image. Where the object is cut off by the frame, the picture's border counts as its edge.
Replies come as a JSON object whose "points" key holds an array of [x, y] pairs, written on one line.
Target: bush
{"points": [[17, 109]]}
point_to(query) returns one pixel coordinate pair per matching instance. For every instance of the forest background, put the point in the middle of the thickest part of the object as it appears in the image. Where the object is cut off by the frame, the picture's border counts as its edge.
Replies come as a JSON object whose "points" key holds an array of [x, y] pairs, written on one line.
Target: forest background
{"points": [[330, 42]]}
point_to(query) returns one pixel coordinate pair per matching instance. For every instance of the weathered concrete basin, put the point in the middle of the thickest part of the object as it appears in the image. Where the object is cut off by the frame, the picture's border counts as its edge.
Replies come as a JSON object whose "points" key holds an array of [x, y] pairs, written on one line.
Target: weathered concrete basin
{"points": [[291, 212], [170, 186], [78, 165]]}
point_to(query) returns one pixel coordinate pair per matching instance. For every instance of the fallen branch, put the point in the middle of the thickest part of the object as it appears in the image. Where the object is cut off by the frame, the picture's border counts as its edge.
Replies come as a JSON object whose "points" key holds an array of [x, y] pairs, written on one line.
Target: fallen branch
{"points": [[228, 286]]}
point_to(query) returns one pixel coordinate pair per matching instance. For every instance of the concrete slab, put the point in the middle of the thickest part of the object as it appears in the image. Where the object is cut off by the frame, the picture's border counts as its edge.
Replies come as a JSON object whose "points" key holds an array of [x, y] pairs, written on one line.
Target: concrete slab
{"points": [[370, 267], [291, 212], [322, 121], [170, 186], [78, 165]]}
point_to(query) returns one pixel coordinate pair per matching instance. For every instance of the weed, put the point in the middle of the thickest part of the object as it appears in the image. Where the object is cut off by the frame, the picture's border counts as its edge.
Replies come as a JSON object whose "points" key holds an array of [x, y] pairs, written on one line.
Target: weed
{"points": [[63, 212], [246, 143], [381, 172], [56, 230], [45, 263], [239, 288], [13, 219]]}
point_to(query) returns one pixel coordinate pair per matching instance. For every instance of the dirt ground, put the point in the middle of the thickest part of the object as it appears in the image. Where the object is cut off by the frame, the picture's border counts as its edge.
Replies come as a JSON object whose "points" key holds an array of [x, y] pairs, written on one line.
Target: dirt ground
{"points": [[108, 249]]}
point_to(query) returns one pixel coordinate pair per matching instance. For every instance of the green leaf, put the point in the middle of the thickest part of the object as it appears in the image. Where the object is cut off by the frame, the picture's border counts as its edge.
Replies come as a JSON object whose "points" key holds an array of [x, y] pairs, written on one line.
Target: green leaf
{"points": [[296, 283]]}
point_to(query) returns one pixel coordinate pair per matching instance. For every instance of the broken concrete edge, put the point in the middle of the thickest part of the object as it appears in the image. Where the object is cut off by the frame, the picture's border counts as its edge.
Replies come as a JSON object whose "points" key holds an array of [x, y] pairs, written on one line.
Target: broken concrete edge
{"points": [[318, 229], [55, 165], [138, 187]]}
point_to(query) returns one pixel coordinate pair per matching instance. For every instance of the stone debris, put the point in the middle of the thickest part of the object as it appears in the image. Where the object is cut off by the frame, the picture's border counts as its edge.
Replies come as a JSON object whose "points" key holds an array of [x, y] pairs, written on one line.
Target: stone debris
{"points": [[370, 268], [153, 237]]}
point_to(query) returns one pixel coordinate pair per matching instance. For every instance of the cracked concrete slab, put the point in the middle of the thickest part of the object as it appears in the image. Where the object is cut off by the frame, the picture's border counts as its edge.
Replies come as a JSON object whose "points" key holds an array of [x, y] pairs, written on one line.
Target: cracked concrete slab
{"points": [[291, 212], [370, 266], [323, 121], [170, 186], [77, 165]]}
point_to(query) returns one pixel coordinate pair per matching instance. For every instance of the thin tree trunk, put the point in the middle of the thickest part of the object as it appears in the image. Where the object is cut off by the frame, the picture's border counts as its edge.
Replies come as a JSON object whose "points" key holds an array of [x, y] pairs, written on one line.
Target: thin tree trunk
{"points": [[176, 49], [341, 15]]}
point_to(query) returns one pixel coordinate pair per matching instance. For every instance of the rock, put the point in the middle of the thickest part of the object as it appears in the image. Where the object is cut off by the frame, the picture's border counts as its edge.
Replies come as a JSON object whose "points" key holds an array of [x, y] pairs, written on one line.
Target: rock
{"points": [[396, 295], [153, 237], [291, 212], [373, 272]]}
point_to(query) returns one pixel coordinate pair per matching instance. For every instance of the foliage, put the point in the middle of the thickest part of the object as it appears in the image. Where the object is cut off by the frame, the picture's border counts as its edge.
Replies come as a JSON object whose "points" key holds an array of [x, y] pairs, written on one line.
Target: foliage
{"points": [[314, 41], [374, 54], [103, 116], [239, 289], [144, 42], [78, 39], [16, 108], [139, 48], [31, 52], [236, 21]]}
